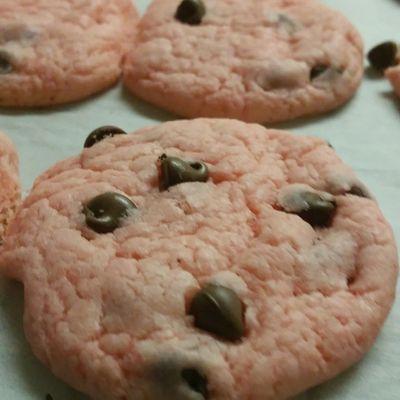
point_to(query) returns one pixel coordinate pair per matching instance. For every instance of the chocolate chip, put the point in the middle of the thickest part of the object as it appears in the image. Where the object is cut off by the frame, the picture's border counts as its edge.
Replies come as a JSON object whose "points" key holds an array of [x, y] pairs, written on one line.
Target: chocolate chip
{"points": [[350, 280], [319, 211], [318, 70], [191, 12], [5, 63], [105, 212], [287, 23], [15, 33], [218, 310], [173, 170], [49, 397], [383, 55], [196, 381], [177, 376], [358, 191], [101, 133]]}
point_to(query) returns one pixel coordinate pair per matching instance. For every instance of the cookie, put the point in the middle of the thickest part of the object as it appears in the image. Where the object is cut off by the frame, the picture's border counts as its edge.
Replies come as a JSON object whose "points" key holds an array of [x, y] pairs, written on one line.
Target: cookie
{"points": [[254, 60], [203, 259], [59, 51], [10, 186]]}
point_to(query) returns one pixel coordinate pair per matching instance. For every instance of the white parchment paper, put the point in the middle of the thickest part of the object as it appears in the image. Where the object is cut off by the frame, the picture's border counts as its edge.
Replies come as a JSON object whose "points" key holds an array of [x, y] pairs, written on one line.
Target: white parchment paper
{"points": [[366, 134]]}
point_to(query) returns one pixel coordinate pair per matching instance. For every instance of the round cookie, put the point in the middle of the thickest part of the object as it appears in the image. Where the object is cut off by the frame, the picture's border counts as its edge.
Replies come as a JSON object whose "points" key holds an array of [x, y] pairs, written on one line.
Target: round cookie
{"points": [[59, 51], [254, 60], [393, 74], [10, 192], [239, 263]]}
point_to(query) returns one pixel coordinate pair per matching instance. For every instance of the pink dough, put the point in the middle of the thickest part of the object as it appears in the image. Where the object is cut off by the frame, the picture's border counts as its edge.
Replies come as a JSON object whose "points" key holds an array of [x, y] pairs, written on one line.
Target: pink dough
{"points": [[9, 181], [59, 51], [393, 74], [250, 60], [108, 312]]}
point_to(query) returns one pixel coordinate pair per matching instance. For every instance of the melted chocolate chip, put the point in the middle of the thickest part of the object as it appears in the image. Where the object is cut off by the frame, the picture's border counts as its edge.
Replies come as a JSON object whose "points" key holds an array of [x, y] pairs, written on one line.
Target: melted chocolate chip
{"points": [[319, 211], [105, 212], [218, 310], [16, 33], [350, 280], [383, 55], [318, 70], [5, 63], [358, 191], [101, 133], [173, 171], [191, 12], [196, 381], [287, 23]]}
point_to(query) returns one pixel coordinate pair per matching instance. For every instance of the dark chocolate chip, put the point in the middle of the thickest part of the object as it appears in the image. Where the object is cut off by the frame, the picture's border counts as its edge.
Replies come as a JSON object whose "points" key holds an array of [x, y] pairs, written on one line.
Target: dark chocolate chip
{"points": [[350, 280], [218, 310], [289, 25], [358, 191], [196, 381], [173, 170], [101, 133], [318, 70], [383, 55], [15, 32], [5, 63], [105, 212], [49, 396], [191, 12], [319, 211]]}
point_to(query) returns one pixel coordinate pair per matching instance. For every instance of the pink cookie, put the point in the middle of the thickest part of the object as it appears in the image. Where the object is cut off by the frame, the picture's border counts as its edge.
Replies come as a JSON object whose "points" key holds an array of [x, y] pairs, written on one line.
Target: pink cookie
{"points": [[204, 259], [393, 74], [58, 51], [255, 60], [9, 180]]}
